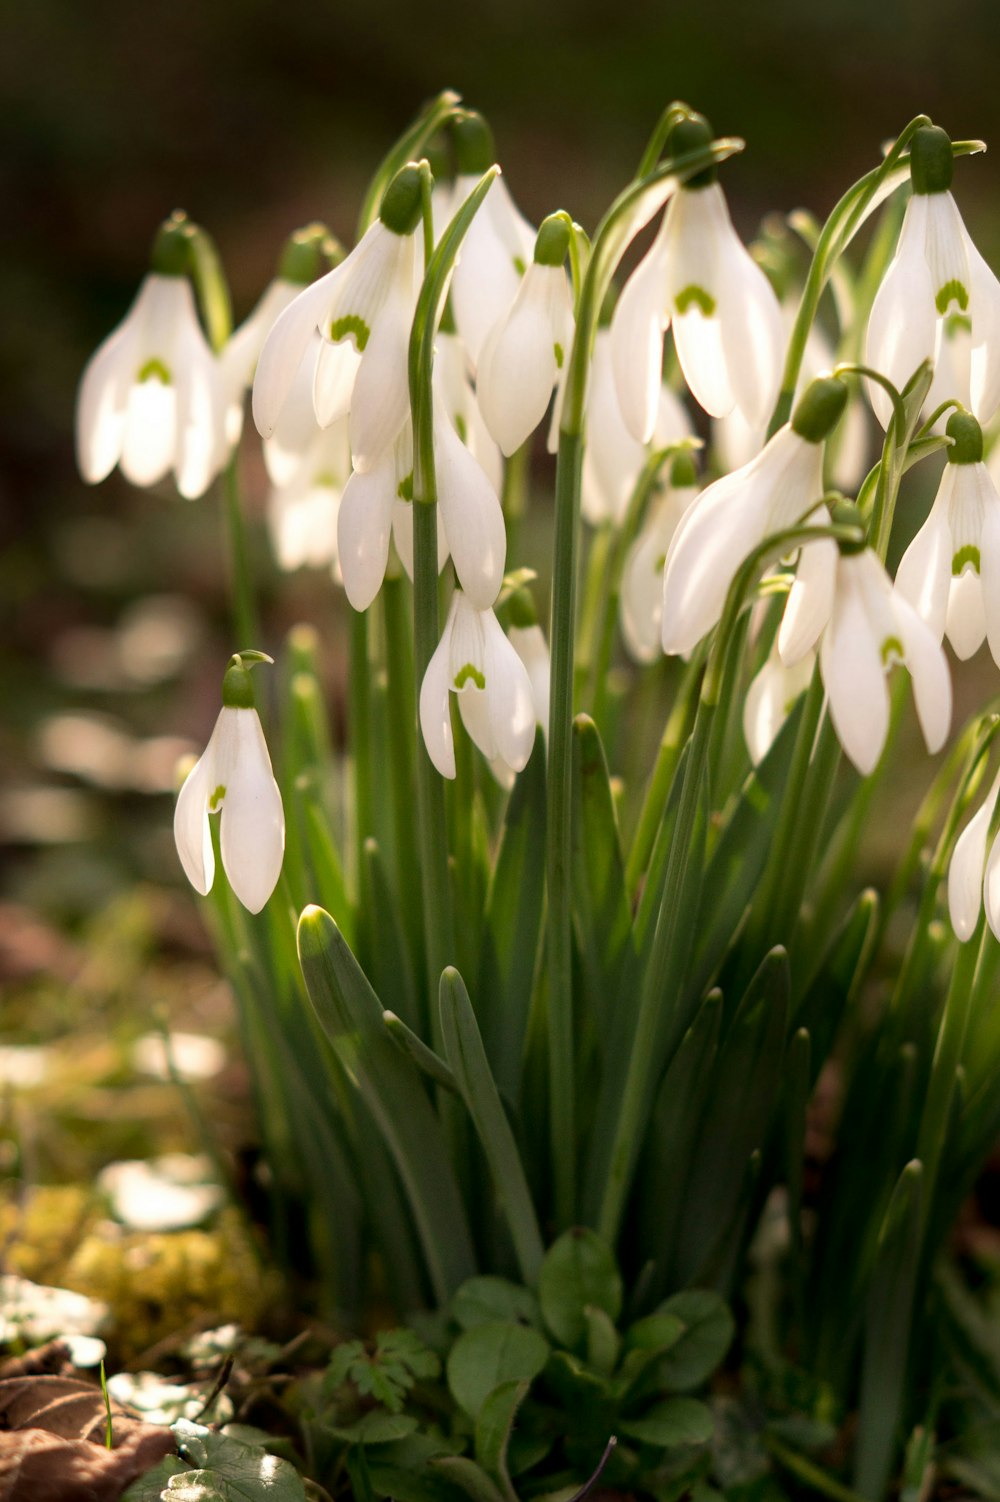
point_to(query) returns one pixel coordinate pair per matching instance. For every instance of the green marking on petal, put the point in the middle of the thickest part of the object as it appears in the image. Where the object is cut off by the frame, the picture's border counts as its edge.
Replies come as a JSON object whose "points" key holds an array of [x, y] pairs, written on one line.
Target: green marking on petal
{"points": [[891, 647], [351, 325], [325, 479], [405, 487], [216, 798], [660, 564], [957, 323], [952, 291], [967, 557], [695, 297], [461, 427], [469, 674], [519, 265], [155, 370], [560, 356]]}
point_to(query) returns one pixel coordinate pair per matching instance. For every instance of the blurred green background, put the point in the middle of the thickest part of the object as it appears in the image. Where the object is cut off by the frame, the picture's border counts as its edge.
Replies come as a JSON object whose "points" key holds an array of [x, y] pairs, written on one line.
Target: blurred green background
{"points": [[256, 116]]}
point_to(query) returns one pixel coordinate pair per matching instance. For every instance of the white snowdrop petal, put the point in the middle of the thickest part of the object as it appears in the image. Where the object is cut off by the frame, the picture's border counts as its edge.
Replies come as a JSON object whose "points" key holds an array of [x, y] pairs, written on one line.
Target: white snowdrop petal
{"points": [[924, 574], [984, 360], [902, 325], [192, 834], [477, 720], [989, 574], [518, 365], [965, 873], [508, 690], [285, 345], [335, 373], [613, 456], [101, 403], [252, 831], [928, 668], [965, 623], [853, 674], [435, 706], [381, 397], [530, 645], [641, 599], [636, 337], [991, 889], [810, 600], [149, 440], [752, 331], [497, 248], [472, 516], [363, 527], [201, 416], [698, 341]]}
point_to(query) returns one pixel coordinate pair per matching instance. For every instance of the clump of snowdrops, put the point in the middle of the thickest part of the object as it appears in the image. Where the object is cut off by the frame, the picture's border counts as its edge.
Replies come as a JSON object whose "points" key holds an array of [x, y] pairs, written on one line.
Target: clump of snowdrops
{"points": [[538, 973]]}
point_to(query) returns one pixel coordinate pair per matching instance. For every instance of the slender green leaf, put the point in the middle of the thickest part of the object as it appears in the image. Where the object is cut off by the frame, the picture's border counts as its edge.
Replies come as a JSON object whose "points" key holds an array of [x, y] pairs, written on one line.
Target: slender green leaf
{"points": [[351, 1016], [425, 1058], [494, 1427], [467, 1060], [601, 906]]}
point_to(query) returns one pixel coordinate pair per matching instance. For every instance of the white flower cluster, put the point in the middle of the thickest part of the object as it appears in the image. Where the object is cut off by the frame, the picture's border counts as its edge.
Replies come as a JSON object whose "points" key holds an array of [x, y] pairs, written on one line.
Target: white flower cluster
{"points": [[327, 357]]}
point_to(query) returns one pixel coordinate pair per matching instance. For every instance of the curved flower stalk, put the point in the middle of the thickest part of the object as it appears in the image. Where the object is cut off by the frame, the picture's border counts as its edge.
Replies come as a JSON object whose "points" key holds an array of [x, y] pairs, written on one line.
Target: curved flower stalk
{"points": [[525, 350], [843, 598], [498, 246], [699, 279], [950, 573], [233, 778], [469, 518], [974, 875], [613, 458], [362, 310], [475, 661], [771, 698], [302, 514], [938, 300], [734, 515], [641, 602], [151, 397]]}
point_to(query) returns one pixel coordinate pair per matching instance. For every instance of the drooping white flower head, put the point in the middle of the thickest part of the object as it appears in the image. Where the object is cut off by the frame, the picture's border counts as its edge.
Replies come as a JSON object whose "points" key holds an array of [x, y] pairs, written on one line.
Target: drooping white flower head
{"points": [[307, 252], [843, 598], [641, 600], [939, 300], [363, 311], [302, 514], [698, 278], [380, 500], [735, 515], [233, 778], [972, 877], [950, 573], [475, 660], [498, 245], [736, 441], [151, 398], [524, 351], [457, 395], [613, 458], [771, 698]]}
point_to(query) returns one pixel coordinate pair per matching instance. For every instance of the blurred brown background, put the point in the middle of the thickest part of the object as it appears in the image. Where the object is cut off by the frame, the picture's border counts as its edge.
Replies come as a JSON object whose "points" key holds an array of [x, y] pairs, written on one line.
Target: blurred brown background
{"points": [[257, 116]]}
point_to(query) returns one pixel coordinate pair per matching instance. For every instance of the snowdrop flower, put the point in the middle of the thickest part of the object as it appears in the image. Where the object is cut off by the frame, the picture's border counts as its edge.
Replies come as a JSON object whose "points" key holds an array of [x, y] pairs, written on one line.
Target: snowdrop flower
{"points": [[379, 501], [497, 248], [524, 352], [770, 700], [612, 458], [476, 661], [151, 398], [843, 598], [736, 514], [950, 573], [306, 253], [233, 777], [939, 300], [528, 640], [968, 882], [699, 278], [457, 395], [363, 310], [642, 575], [302, 514]]}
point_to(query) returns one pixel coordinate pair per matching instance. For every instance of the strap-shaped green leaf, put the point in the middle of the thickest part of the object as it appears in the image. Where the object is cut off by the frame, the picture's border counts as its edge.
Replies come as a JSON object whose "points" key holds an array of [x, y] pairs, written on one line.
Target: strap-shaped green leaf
{"points": [[467, 1060], [601, 906], [494, 1427], [351, 1016]]}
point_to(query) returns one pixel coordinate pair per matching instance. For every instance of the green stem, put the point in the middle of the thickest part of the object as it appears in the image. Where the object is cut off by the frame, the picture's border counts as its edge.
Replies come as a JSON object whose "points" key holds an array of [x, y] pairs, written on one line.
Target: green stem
{"points": [[514, 499], [240, 577], [360, 714], [408, 146], [676, 732], [401, 721], [598, 560]]}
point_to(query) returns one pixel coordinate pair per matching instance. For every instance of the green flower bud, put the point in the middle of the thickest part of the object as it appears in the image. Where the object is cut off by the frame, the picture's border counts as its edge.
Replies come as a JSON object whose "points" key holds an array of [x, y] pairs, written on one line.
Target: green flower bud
{"points": [[171, 253], [237, 689], [402, 201], [931, 161], [552, 244], [521, 610], [683, 473], [846, 514], [819, 408], [692, 134], [308, 253], [473, 141], [967, 439]]}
